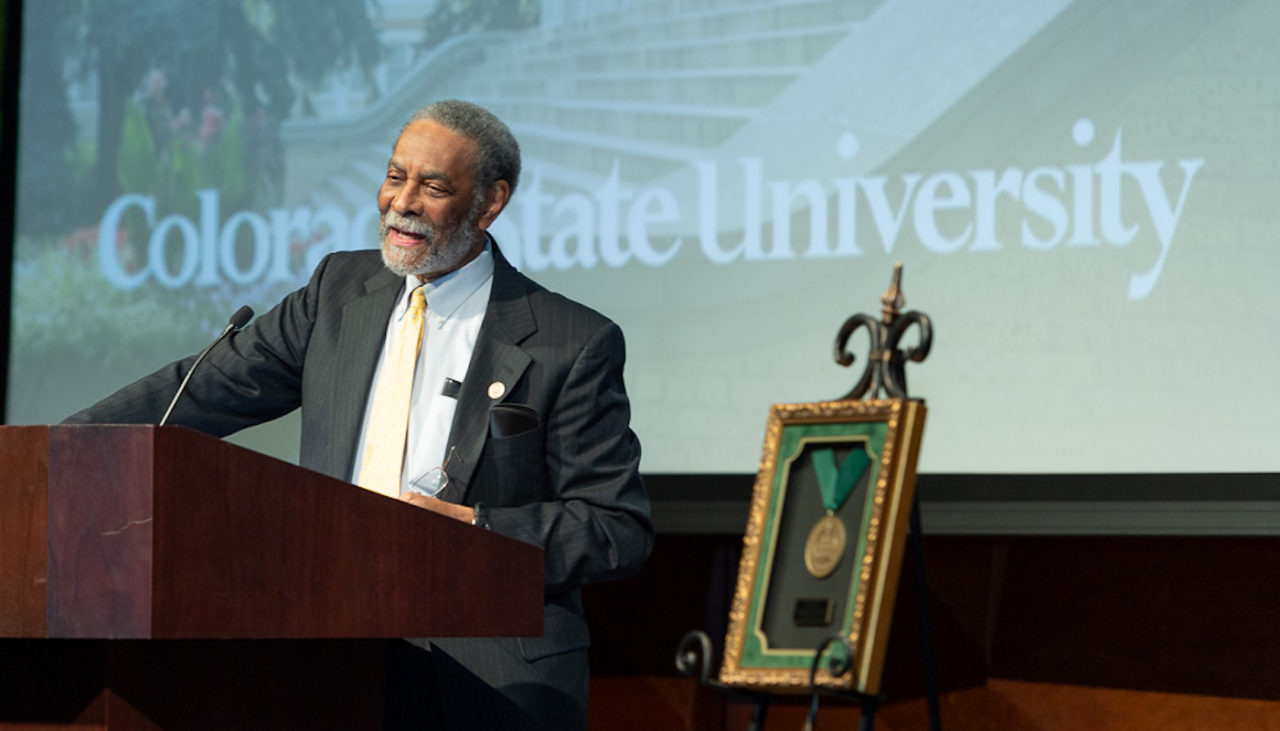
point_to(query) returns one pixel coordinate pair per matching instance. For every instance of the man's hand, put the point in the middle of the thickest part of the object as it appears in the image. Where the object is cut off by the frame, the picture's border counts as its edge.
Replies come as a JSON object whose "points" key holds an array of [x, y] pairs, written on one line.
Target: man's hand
{"points": [[435, 505]]}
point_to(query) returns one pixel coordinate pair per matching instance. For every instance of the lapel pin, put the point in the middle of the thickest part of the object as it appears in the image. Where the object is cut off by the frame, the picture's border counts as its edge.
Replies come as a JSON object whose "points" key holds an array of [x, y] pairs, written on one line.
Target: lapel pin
{"points": [[496, 389]]}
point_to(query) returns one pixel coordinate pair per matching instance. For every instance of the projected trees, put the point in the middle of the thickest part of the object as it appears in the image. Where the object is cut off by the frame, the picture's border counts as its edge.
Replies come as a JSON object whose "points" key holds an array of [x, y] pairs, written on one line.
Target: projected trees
{"points": [[158, 98], [194, 71]]}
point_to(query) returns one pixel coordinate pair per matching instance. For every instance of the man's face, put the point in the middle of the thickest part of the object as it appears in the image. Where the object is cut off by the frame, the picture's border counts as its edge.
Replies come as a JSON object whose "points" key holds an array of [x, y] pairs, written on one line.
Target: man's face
{"points": [[432, 221]]}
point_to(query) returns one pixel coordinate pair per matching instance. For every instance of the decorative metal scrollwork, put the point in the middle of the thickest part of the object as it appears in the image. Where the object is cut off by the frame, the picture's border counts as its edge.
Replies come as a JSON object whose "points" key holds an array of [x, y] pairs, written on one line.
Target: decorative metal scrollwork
{"points": [[694, 654], [885, 371], [838, 663]]}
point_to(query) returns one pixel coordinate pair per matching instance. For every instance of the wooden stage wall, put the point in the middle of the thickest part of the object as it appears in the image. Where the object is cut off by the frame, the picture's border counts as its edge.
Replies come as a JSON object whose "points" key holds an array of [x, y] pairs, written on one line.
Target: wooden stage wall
{"points": [[1032, 632]]}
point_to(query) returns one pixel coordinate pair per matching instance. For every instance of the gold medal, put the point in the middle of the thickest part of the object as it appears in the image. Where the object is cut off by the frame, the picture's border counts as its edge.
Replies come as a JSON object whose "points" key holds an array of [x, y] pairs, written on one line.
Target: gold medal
{"points": [[825, 546]]}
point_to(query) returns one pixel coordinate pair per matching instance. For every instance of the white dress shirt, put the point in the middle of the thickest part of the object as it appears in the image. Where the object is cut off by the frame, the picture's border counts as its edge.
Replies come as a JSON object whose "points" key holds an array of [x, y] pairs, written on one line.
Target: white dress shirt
{"points": [[456, 305]]}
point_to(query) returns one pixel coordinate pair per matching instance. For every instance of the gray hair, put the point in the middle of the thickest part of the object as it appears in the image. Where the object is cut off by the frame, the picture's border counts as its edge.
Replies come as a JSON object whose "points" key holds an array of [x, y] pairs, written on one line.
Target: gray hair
{"points": [[497, 152]]}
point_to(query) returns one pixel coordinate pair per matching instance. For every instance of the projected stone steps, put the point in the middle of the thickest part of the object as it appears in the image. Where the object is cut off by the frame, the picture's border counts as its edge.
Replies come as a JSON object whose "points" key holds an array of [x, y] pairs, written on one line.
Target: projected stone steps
{"points": [[358, 184], [627, 103], [594, 154], [692, 125], [645, 89], [692, 20], [727, 86], [659, 53]]}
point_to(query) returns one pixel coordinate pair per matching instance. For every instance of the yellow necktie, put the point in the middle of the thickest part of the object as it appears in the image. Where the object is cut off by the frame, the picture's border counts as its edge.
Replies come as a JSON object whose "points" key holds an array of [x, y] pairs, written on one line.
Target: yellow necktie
{"points": [[383, 460]]}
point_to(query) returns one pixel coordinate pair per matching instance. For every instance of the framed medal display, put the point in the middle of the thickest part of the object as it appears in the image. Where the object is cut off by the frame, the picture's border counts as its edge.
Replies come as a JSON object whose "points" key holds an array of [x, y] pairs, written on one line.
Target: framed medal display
{"points": [[824, 542]]}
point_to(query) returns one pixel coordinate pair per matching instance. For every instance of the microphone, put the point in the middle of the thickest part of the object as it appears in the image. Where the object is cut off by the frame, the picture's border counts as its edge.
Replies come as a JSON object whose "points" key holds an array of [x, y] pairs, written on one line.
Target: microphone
{"points": [[238, 320]]}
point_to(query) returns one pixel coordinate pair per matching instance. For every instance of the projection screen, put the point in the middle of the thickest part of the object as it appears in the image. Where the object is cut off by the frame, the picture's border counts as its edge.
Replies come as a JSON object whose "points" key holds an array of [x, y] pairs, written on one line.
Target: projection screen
{"points": [[1083, 196]]}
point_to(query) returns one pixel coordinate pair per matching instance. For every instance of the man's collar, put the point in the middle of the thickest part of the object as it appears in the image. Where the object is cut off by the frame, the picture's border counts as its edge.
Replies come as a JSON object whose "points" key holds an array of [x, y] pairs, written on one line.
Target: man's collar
{"points": [[446, 294]]}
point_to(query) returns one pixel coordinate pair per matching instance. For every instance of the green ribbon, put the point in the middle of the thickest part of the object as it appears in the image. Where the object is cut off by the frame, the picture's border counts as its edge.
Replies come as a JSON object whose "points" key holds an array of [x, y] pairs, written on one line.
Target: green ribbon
{"points": [[836, 484]]}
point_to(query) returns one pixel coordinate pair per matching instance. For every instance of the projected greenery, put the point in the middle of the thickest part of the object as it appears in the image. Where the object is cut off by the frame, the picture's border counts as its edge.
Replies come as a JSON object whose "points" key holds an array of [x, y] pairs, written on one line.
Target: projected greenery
{"points": [[164, 98]]}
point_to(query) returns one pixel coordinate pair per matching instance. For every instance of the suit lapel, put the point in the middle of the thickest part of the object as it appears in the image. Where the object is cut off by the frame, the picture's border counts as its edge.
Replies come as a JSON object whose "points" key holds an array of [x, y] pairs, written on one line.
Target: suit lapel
{"points": [[364, 327], [497, 358]]}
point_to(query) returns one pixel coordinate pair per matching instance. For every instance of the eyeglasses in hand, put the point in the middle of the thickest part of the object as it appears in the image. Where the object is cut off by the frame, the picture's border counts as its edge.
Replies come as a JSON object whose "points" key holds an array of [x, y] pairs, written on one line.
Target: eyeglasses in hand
{"points": [[431, 482]]}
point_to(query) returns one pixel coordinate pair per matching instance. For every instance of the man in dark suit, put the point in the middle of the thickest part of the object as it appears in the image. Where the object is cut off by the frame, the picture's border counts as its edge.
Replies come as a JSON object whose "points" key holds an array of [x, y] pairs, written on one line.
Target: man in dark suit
{"points": [[537, 445]]}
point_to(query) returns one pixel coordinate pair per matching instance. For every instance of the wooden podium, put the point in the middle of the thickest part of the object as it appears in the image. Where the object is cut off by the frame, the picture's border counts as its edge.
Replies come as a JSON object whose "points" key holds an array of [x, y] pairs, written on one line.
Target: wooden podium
{"points": [[158, 577]]}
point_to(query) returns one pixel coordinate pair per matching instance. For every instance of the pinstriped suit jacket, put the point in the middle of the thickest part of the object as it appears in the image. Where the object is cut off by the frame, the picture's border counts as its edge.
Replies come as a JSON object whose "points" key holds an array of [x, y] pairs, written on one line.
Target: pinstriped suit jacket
{"points": [[571, 486]]}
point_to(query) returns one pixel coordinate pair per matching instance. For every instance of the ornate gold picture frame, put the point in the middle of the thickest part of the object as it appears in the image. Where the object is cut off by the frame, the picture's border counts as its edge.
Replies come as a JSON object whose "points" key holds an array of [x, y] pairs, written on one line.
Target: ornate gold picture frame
{"points": [[824, 542]]}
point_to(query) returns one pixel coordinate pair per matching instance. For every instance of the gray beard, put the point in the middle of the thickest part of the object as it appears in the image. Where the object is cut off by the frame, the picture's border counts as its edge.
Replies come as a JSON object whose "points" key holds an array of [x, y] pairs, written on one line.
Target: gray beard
{"points": [[440, 255]]}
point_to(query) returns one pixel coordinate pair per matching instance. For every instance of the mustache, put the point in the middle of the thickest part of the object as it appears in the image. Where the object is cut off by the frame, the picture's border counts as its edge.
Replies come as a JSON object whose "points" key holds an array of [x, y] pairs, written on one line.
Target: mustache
{"points": [[406, 224]]}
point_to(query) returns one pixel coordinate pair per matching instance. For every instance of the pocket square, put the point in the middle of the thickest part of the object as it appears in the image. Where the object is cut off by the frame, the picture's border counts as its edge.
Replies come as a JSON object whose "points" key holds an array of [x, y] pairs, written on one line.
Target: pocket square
{"points": [[509, 420]]}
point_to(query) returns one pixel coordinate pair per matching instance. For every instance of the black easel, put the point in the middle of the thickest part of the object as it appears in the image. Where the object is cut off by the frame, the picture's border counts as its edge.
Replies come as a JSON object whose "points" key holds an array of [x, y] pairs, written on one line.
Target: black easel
{"points": [[885, 372]]}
